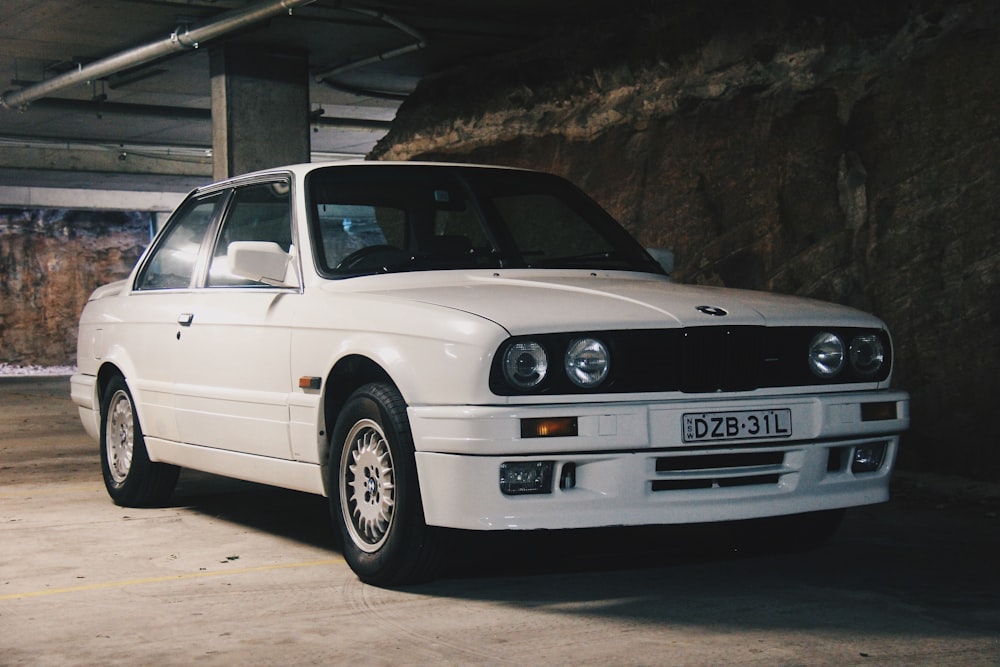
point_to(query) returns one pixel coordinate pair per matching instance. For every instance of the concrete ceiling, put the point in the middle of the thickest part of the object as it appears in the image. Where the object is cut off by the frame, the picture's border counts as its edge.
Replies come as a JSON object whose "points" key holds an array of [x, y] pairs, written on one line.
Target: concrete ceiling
{"points": [[148, 127]]}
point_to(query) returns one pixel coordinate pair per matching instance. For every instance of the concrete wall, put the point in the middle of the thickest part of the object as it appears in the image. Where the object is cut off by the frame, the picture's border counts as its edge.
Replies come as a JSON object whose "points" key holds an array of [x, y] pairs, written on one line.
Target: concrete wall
{"points": [[846, 152]]}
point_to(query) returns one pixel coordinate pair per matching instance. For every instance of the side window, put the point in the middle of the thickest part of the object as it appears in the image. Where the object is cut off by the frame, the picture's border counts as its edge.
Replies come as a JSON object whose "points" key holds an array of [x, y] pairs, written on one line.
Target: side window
{"points": [[173, 261], [260, 212]]}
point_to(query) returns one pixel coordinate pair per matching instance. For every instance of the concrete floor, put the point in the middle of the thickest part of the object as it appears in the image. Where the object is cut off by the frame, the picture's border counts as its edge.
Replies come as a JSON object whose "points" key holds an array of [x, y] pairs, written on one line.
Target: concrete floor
{"points": [[236, 573]]}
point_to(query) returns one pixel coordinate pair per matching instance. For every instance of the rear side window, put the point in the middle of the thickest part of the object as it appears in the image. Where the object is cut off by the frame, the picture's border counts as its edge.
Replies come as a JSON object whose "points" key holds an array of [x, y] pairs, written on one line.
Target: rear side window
{"points": [[172, 262]]}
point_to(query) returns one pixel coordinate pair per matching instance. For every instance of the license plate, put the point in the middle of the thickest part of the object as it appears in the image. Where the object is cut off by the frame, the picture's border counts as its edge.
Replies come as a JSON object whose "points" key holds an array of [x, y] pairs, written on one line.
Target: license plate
{"points": [[739, 425]]}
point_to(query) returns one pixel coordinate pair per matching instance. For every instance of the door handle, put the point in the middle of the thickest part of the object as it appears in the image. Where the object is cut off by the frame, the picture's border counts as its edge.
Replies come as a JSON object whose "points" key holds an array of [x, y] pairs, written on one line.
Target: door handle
{"points": [[185, 319]]}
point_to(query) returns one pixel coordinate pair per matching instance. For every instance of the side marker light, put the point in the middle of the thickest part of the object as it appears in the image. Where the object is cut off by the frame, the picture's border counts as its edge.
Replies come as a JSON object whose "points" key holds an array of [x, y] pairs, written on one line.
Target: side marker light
{"points": [[307, 382]]}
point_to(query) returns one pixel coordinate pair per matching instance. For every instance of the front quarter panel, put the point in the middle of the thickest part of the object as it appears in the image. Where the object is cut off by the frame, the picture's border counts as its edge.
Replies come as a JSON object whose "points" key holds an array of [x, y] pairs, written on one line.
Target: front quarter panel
{"points": [[434, 355]]}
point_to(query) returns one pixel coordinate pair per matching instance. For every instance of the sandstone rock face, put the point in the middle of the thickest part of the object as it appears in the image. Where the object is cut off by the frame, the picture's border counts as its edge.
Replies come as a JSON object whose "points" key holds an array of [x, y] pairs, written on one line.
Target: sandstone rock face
{"points": [[50, 262], [846, 152]]}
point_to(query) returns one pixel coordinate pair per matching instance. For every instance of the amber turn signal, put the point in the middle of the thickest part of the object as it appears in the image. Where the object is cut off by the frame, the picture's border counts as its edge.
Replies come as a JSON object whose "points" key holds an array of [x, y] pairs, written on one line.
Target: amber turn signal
{"points": [[875, 412], [548, 427]]}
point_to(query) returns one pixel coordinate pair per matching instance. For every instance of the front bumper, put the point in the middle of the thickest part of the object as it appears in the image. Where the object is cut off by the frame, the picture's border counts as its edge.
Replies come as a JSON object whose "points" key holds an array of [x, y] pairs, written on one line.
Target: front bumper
{"points": [[628, 464], [83, 393]]}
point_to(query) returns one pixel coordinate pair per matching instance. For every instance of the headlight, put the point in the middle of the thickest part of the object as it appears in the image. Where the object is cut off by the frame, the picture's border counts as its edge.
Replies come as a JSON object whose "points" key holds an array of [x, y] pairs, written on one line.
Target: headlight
{"points": [[867, 354], [826, 355], [587, 362], [525, 364]]}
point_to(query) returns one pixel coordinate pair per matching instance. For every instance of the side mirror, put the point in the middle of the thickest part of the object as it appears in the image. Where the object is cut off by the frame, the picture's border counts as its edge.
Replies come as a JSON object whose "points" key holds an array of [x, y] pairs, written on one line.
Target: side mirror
{"points": [[664, 258], [260, 261]]}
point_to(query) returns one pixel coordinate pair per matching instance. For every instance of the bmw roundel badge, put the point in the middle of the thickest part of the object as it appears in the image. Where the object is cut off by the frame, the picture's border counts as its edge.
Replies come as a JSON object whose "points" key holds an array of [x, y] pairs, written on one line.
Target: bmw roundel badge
{"points": [[712, 310]]}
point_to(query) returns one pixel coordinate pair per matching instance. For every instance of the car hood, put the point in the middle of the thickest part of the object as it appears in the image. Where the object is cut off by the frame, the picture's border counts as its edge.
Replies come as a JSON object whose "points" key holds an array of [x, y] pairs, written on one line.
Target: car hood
{"points": [[545, 301]]}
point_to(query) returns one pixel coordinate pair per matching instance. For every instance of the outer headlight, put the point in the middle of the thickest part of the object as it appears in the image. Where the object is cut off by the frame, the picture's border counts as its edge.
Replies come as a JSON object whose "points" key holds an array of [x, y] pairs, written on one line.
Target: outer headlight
{"points": [[525, 364], [867, 354], [587, 362], [826, 355]]}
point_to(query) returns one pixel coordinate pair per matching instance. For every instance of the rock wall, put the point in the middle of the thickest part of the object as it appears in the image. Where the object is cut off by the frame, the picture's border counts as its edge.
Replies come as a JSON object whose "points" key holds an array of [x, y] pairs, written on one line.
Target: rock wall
{"points": [[844, 151], [50, 262]]}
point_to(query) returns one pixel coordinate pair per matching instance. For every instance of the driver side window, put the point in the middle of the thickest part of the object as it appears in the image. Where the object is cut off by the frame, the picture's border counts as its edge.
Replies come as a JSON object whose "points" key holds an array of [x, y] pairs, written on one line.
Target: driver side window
{"points": [[259, 212]]}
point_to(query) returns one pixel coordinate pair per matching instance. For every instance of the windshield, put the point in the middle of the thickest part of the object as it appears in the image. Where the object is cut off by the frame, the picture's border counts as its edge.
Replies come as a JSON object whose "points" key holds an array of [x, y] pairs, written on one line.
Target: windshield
{"points": [[391, 218]]}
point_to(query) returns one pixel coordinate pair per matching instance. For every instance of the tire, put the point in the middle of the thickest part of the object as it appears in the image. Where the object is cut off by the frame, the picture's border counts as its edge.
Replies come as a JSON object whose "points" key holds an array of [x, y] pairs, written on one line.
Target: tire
{"points": [[132, 480], [374, 494]]}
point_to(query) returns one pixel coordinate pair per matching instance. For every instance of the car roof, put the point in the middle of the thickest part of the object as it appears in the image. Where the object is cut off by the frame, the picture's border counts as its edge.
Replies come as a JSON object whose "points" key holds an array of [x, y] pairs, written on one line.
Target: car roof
{"points": [[302, 169]]}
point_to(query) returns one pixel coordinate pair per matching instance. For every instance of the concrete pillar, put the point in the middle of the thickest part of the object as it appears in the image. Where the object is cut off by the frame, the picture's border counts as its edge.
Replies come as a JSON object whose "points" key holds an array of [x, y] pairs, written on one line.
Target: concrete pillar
{"points": [[260, 109]]}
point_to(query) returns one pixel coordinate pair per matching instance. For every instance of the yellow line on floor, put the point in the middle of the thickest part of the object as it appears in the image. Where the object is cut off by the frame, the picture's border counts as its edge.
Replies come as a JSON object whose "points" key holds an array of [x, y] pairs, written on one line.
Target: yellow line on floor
{"points": [[20, 492], [169, 577]]}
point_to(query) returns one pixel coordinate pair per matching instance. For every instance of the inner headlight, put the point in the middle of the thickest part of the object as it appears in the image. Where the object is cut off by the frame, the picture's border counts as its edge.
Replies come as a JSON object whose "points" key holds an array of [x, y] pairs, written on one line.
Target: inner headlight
{"points": [[826, 355], [587, 362], [867, 354], [525, 364]]}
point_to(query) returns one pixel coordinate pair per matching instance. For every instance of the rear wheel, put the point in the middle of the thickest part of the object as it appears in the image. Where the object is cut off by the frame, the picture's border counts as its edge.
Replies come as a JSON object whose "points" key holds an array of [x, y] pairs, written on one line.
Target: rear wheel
{"points": [[374, 493], [132, 480]]}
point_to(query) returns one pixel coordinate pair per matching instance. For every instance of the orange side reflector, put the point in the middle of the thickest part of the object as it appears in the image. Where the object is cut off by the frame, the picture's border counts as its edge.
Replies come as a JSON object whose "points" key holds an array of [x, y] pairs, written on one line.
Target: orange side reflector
{"points": [[307, 382]]}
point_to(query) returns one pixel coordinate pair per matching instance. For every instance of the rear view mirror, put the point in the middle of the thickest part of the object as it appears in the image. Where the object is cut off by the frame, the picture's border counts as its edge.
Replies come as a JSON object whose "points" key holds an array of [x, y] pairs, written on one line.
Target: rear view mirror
{"points": [[260, 261]]}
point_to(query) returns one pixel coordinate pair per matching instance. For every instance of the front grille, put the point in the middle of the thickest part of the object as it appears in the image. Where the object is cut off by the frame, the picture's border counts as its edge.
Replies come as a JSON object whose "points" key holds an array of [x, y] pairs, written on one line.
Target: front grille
{"points": [[710, 469], [721, 359], [689, 484], [718, 461], [714, 359]]}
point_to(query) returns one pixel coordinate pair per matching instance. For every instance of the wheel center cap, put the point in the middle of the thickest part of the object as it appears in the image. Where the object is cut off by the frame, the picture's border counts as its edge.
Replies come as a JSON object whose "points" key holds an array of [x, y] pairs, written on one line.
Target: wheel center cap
{"points": [[371, 485]]}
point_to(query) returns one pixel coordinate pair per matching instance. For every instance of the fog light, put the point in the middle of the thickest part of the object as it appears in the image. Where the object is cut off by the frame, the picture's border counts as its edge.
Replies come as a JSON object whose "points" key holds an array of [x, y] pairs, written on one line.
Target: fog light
{"points": [[526, 477], [868, 458]]}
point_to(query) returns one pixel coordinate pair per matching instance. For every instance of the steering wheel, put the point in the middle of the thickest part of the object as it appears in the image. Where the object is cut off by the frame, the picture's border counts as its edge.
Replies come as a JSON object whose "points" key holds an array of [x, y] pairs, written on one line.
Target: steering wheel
{"points": [[372, 257]]}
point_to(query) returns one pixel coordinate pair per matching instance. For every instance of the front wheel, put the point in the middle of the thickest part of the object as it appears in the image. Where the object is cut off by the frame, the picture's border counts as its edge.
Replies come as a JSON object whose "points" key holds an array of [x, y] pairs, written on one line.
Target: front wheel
{"points": [[132, 480], [374, 493]]}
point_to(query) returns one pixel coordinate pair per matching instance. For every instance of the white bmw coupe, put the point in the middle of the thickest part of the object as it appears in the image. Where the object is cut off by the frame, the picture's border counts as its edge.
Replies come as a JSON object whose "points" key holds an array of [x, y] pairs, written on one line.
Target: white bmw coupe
{"points": [[438, 346]]}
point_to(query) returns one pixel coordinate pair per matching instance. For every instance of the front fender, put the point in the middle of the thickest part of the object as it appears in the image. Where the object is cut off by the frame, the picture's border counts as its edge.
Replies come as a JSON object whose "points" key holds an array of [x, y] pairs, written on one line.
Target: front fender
{"points": [[433, 355], [426, 371]]}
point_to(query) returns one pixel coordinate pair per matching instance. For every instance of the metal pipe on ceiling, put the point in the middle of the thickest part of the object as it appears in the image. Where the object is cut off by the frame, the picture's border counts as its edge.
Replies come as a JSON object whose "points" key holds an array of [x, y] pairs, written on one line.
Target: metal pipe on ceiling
{"points": [[190, 113], [176, 42], [326, 75]]}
